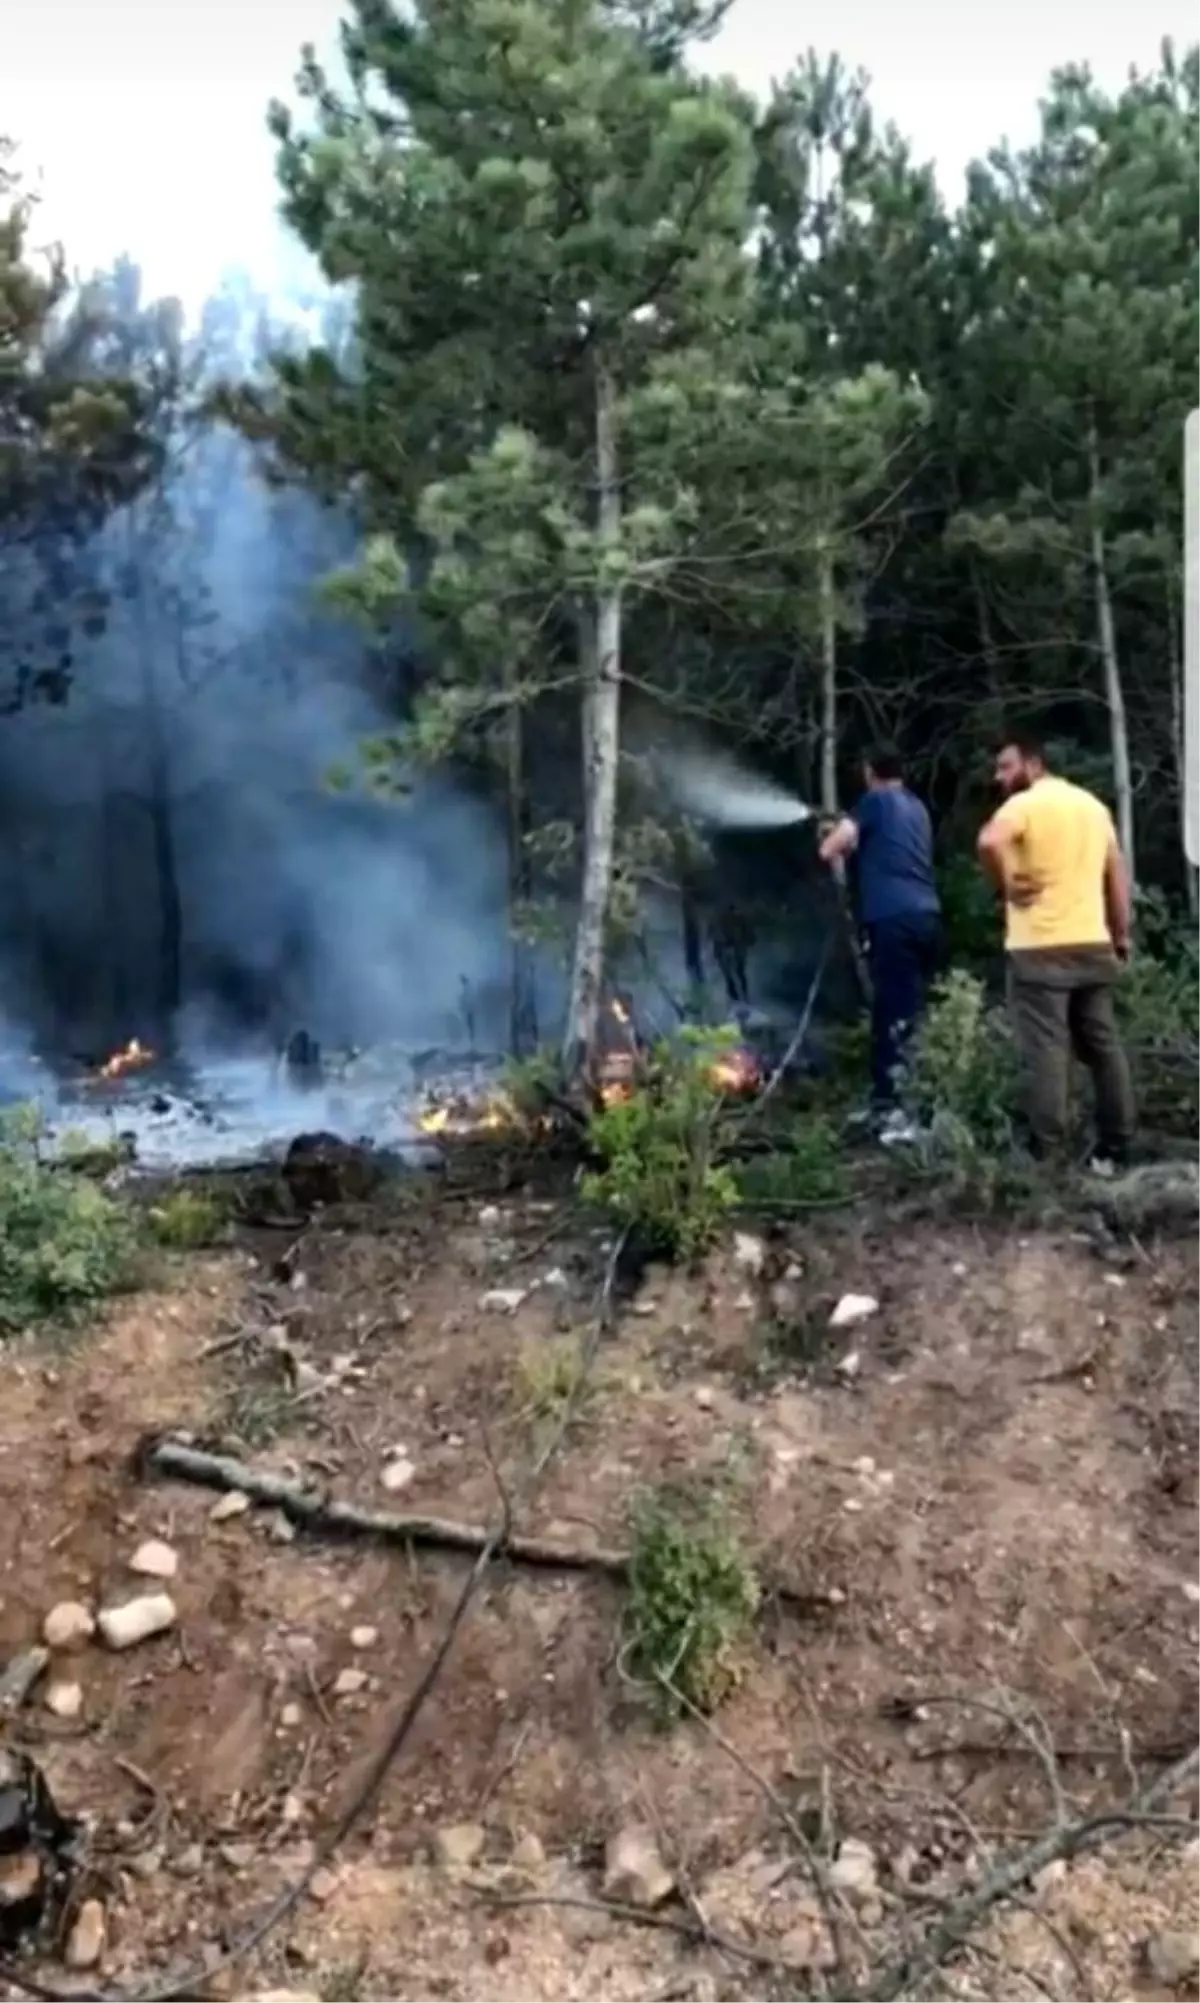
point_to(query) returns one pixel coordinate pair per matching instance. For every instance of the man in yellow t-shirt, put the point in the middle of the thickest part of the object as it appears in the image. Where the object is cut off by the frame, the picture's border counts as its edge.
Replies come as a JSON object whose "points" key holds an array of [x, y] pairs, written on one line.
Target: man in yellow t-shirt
{"points": [[1053, 852]]}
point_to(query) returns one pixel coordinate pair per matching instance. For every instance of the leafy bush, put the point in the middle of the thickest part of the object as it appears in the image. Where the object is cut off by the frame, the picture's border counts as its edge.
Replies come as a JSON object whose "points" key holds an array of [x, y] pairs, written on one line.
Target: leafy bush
{"points": [[64, 1244], [659, 1148], [1158, 1013], [693, 1596], [187, 1219], [960, 1079], [810, 1169]]}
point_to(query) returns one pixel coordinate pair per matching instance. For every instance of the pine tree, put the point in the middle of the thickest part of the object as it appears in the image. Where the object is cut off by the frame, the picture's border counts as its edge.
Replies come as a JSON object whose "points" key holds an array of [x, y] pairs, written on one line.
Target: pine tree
{"points": [[538, 207]]}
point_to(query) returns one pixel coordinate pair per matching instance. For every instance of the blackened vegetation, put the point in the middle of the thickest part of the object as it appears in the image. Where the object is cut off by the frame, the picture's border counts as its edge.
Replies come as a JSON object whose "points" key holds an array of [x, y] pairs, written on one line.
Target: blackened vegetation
{"points": [[38, 1852]]}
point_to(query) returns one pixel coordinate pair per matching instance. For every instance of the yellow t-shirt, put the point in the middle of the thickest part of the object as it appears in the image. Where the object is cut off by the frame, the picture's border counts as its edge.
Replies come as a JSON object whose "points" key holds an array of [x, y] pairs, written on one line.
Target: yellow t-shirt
{"points": [[1056, 842]]}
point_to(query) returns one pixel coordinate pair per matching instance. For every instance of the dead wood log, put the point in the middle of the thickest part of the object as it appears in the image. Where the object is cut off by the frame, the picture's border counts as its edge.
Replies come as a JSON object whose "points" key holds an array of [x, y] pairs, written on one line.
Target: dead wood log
{"points": [[309, 1509], [322, 1515], [1159, 1192]]}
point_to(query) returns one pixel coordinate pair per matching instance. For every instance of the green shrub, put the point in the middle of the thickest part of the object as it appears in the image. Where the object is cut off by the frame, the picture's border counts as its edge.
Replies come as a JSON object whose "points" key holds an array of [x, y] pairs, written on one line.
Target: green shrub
{"points": [[1158, 1013], [659, 1147], [810, 1169], [961, 1075], [692, 1599], [187, 1219], [64, 1244]]}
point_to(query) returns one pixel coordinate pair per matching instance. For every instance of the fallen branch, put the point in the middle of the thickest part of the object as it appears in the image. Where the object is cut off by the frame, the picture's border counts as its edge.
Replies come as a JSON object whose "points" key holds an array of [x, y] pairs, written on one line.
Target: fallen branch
{"points": [[310, 1510], [1159, 1192], [688, 1928]]}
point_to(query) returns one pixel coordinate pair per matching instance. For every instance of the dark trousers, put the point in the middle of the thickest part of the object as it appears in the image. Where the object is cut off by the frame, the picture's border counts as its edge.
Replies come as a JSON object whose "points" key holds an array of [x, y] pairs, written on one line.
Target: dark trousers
{"points": [[903, 955], [1061, 1003]]}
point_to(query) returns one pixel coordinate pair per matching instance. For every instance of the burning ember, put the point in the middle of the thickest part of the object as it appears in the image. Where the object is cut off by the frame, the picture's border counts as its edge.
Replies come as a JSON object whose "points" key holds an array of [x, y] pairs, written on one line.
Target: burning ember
{"points": [[132, 1058], [736, 1071], [462, 1116]]}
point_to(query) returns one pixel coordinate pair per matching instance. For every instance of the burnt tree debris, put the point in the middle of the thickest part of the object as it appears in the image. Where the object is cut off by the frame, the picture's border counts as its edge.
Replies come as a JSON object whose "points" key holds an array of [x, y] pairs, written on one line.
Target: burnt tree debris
{"points": [[39, 1849], [320, 1168]]}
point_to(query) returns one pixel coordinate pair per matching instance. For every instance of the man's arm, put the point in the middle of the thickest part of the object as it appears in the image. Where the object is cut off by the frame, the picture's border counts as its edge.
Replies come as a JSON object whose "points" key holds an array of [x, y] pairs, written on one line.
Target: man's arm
{"points": [[995, 841], [840, 840], [1118, 898]]}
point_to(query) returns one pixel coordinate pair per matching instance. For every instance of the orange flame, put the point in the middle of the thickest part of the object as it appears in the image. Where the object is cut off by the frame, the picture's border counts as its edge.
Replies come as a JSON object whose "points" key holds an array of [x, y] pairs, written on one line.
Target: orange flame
{"points": [[735, 1071], [462, 1117], [131, 1058]]}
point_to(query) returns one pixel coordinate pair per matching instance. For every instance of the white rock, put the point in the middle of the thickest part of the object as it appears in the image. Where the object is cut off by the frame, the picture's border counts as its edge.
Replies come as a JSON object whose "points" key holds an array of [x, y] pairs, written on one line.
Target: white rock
{"points": [[290, 1716], [555, 1278], [64, 1700], [502, 1300], [744, 1303], [528, 1852], [363, 1637], [749, 1253], [397, 1474], [634, 1872], [853, 1869], [68, 1625], [853, 1308], [349, 1682], [705, 1397], [155, 1560], [1173, 1956], [489, 1216], [233, 1504], [137, 1620], [850, 1364], [286, 1996], [460, 1845], [85, 1942]]}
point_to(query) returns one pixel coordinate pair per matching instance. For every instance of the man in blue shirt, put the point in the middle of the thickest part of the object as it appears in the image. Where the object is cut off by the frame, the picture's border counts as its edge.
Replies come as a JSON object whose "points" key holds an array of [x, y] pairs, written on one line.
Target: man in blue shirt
{"points": [[889, 832]]}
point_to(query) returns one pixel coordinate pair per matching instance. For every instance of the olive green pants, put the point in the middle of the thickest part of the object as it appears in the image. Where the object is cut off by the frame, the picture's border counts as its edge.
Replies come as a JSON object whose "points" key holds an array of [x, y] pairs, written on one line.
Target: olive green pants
{"points": [[1061, 1005]]}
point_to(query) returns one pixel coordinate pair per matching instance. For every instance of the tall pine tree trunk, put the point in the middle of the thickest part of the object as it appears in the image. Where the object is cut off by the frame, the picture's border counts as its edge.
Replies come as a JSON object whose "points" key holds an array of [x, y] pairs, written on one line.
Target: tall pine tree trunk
{"points": [[522, 1000], [1178, 668], [1106, 634], [829, 679], [601, 744]]}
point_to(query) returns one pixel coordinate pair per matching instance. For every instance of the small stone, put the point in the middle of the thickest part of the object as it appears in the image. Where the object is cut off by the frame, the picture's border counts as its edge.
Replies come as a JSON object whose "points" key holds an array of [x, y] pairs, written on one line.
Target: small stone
{"points": [[349, 1682], [238, 1856], [85, 1942], [397, 1474], [1172, 1956], [459, 1845], [190, 1862], [853, 1308], [489, 1216], [147, 1864], [528, 1853], [744, 1303], [645, 1307], [281, 1995], [363, 1637], [850, 1364], [155, 1560], [64, 1700], [853, 1870], [68, 1625], [290, 1716], [20, 1675], [281, 1529], [226, 1506], [124, 1626], [502, 1300], [1191, 1592], [864, 1465], [322, 1885], [705, 1398], [1049, 1876], [749, 1253], [634, 1872]]}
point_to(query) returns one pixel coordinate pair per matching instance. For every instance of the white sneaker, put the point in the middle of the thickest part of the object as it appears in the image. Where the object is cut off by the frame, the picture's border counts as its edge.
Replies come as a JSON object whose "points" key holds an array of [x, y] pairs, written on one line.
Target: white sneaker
{"points": [[897, 1130]]}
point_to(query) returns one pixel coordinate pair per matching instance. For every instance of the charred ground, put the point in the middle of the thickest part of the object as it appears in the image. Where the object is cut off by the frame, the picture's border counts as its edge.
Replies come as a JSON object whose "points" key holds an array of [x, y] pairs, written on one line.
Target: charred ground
{"points": [[984, 1494]]}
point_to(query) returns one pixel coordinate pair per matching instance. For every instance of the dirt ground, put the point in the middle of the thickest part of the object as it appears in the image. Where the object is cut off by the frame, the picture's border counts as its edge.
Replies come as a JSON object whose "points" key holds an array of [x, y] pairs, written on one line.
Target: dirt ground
{"points": [[985, 1492]]}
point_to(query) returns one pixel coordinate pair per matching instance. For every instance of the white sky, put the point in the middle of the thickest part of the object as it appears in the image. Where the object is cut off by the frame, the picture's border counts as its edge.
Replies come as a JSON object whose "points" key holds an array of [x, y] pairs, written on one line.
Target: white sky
{"points": [[145, 118]]}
